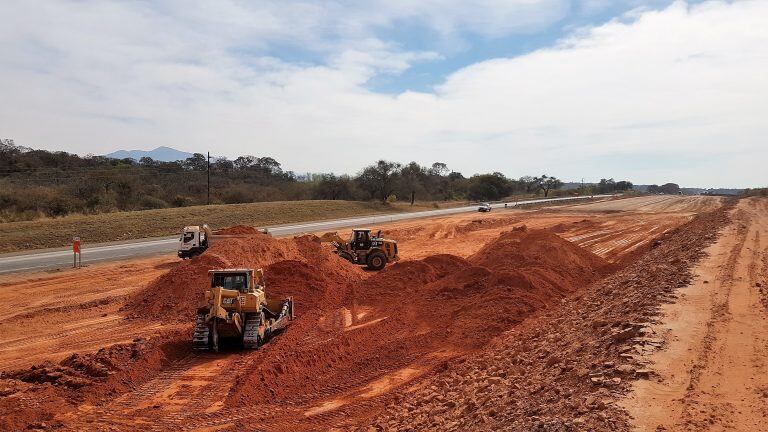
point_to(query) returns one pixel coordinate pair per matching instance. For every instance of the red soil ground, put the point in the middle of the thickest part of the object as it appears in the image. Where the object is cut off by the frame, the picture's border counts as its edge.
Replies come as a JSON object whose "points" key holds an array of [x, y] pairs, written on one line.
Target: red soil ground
{"points": [[358, 338]]}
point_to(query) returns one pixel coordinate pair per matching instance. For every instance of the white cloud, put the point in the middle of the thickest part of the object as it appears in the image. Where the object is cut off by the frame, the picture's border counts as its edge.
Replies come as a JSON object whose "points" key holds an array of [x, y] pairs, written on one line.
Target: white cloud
{"points": [[675, 94]]}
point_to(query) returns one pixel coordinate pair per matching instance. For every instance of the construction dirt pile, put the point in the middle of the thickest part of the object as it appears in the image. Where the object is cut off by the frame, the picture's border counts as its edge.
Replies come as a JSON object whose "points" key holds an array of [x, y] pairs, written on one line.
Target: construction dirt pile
{"points": [[31, 397], [543, 254], [298, 267], [176, 294], [564, 367], [439, 307]]}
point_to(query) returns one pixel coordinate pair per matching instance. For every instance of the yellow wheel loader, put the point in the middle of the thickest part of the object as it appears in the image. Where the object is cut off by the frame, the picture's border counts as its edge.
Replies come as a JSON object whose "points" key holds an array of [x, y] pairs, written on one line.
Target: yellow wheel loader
{"points": [[362, 248], [236, 309]]}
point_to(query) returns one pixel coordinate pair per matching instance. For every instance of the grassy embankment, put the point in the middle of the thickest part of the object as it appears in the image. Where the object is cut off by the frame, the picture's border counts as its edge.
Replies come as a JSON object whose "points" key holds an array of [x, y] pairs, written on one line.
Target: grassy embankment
{"points": [[107, 227]]}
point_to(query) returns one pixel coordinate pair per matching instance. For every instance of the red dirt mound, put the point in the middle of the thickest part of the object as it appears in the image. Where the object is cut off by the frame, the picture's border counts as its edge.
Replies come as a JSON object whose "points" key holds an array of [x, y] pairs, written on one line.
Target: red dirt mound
{"points": [[311, 285], [433, 308], [177, 293], [445, 264], [466, 302], [79, 378], [541, 249], [107, 368], [237, 229], [487, 223]]}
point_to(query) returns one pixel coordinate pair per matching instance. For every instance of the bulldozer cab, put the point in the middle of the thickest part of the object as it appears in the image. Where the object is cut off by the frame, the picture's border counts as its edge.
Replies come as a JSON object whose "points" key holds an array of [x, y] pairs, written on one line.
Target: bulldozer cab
{"points": [[242, 280], [231, 281]]}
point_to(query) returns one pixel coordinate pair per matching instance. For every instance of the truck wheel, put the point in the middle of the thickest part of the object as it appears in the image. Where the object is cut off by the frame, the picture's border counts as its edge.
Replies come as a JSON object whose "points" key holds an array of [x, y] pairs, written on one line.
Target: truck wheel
{"points": [[377, 260]]}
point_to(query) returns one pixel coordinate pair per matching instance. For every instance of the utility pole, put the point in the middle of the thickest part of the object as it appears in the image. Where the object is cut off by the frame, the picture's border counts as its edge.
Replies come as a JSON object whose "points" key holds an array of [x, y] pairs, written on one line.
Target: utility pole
{"points": [[209, 178]]}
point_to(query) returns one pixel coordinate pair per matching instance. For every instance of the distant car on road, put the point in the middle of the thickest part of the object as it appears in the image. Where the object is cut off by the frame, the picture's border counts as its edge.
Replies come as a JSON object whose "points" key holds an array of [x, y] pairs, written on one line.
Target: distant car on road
{"points": [[484, 207]]}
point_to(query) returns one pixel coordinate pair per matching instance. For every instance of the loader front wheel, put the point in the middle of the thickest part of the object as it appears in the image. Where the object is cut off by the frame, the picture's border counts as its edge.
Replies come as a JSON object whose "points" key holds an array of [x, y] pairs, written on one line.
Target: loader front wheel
{"points": [[377, 260]]}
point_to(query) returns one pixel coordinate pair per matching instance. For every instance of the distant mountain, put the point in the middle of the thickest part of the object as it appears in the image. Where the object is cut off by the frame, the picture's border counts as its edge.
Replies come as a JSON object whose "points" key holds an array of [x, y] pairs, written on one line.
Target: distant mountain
{"points": [[164, 154]]}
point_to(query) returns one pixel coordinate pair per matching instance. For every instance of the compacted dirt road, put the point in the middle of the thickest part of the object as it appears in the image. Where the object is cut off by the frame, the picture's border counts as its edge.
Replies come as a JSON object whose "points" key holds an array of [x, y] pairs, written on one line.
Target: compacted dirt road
{"points": [[713, 373], [49, 316], [107, 347]]}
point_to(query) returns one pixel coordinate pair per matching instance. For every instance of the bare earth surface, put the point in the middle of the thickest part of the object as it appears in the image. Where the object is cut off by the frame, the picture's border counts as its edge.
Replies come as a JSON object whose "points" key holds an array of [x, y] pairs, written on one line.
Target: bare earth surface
{"points": [[106, 347], [712, 374], [48, 317]]}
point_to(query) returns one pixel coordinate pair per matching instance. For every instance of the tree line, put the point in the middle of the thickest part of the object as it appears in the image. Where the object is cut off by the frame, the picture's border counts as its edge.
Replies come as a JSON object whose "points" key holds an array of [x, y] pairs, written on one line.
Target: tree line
{"points": [[36, 183]]}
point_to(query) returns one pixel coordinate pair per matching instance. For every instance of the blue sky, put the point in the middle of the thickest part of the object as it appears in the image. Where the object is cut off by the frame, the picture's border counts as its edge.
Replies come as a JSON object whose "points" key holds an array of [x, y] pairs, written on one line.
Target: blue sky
{"points": [[651, 91], [473, 48]]}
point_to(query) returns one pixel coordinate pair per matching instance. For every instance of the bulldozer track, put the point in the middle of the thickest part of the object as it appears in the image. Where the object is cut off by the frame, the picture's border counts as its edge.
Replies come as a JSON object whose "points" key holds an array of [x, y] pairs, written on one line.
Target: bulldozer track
{"points": [[251, 336], [257, 414], [131, 400], [201, 334], [298, 418]]}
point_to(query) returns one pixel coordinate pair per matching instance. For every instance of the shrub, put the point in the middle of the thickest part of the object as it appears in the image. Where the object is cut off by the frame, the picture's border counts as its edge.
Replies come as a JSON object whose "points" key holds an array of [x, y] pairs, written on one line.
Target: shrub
{"points": [[150, 202], [181, 201]]}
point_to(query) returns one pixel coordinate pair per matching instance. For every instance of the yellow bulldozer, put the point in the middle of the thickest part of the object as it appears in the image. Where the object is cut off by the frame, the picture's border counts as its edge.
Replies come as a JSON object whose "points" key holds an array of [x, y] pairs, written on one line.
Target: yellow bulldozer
{"points": [[236, 309], [362, 248]]}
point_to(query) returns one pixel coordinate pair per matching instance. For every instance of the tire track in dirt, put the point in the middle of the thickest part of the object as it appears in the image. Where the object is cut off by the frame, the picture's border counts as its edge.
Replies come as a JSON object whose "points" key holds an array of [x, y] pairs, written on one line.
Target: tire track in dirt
{"points": [[712, 376], [720, 317]]}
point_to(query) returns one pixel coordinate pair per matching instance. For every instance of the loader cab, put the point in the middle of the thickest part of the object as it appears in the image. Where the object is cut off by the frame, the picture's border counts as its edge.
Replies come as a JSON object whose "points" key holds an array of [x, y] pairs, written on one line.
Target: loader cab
{"points": [[361, 239]]}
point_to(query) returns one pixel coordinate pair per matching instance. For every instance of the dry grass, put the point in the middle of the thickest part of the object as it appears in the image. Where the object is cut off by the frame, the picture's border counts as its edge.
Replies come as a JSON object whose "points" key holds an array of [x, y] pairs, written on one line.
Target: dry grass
{"points": [[46, 233]]}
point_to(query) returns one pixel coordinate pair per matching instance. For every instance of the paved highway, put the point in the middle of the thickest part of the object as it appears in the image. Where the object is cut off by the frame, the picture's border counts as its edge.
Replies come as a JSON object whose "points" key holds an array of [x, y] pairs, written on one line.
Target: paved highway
{"points": [[62, 257]]}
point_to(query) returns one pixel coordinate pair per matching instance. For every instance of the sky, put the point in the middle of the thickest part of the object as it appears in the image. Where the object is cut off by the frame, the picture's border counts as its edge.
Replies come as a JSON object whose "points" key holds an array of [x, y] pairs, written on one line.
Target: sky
{"points": [[649, 91]]}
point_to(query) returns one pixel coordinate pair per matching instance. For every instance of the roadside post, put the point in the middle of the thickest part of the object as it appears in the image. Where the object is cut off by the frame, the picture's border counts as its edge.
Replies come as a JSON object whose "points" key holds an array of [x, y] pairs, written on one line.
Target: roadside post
{"points": [[77, 258]]}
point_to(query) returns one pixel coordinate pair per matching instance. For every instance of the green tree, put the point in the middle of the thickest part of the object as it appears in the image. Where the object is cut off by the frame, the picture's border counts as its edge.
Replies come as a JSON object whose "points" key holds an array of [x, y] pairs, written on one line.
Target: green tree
{"points": [[412, 177], [379, 179], [332, 187], [529, 184], [547, 184], [196, 162], [489, 187], [606, 186], [670, 188]]}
